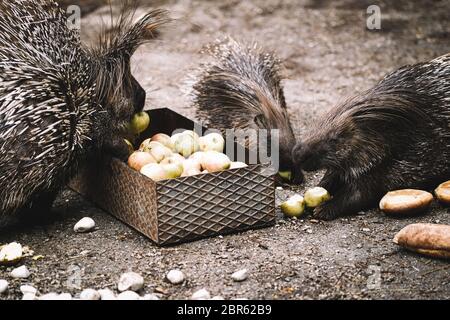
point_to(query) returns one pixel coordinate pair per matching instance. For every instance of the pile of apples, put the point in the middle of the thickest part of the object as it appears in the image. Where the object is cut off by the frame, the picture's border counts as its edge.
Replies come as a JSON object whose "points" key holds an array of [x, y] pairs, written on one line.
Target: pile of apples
{"points": [[183, 154]]}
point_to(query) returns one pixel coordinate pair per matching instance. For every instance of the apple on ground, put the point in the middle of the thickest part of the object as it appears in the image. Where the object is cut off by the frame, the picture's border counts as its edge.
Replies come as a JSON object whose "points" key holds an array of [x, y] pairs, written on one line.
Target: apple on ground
{"points": [[212, 142], [316, 196], [139, 122], [214, 161], [294, 206], [139, 159]]}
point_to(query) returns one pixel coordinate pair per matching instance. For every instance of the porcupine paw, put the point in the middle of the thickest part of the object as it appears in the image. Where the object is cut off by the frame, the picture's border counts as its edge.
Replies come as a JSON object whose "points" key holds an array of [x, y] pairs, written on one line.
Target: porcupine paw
{"points": [[327, 211]]}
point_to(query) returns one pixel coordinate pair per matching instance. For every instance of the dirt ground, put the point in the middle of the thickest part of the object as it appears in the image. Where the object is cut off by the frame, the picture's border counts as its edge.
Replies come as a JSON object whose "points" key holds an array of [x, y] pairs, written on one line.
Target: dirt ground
{"points": [[328, 55]]}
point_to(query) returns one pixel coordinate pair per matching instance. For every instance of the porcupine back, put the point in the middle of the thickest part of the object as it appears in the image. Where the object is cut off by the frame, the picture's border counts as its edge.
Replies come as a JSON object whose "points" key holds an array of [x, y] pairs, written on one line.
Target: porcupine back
{"points": [[44, 98], [60, 102], [241, 89]]}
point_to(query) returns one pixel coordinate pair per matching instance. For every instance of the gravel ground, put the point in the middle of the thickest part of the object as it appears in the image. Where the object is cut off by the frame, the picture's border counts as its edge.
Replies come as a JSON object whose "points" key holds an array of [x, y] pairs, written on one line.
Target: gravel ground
{"points": [[328, 55]]}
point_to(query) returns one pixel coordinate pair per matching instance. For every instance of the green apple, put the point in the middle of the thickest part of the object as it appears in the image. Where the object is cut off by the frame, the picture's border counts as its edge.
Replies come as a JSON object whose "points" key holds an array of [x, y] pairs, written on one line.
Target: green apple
{"points": [[186, 144], [172, 170], [138, 159], [191, 165], [237, 165], [316, 196], [164, 139], [139, 122], [154, 171], [174, 158], [214, 161], [294, 206], [212, 142], [285, 175]]}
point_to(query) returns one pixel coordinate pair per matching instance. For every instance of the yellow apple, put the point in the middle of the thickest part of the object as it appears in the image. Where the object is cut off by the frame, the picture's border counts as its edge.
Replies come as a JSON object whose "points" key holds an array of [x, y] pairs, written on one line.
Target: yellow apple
{"points": [[139, 122]]}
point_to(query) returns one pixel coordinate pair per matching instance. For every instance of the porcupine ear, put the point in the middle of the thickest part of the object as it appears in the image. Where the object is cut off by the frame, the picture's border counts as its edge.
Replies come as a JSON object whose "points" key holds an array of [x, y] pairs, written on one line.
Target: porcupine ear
{"points": [[125, 37]]}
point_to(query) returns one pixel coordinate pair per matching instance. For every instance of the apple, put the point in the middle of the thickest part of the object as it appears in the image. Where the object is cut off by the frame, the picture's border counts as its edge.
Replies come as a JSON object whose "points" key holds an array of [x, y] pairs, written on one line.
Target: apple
{"points": [[164, 139], [159, 152], [139, 159], [174, 158], [154, 171], [191, 165], [212, 142], [237, 165], [192, 133], [197, 156], [148, 144], [139, 122], [186, 144], [285, 175], [129, 145], [294, 206], [214, 161], [316, 196], [191, 172], [172, 170]]}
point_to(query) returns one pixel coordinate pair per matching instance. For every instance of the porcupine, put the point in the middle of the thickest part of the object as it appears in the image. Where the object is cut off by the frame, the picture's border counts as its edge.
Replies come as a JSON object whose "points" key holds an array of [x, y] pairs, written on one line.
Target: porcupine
{"points": [[60, 101], [241, 89], [393, 136]]}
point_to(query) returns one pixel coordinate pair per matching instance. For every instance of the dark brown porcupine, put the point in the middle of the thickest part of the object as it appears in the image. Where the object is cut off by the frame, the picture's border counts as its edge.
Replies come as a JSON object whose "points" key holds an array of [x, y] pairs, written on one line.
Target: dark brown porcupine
{"points": [[241, 89], [60, 101], [393, 136]]}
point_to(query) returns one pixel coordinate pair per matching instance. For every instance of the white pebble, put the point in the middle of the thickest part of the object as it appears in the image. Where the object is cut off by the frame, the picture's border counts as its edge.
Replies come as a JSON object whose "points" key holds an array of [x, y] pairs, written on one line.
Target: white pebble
{"points": [[149, 296], [240, 275], [65, 296], [29, 296], [11, 252], [366, 229], [3, 286], [130, 281], [28, 289], [20, 272], [84, 225], [128, 295], [217, 298], [49, 296], [90, 294], [201, 294], [175, 277], [107, 294]]}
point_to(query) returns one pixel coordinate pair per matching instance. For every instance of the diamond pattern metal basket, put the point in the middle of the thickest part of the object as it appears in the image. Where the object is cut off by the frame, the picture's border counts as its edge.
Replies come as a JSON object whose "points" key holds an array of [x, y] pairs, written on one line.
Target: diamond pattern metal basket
{"points": [[183, 209]]}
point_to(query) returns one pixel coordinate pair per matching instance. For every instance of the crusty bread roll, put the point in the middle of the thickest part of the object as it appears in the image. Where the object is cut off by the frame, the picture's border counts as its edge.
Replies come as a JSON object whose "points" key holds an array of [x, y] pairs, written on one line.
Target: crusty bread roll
{"points": [[407, 201], [426, 238]]}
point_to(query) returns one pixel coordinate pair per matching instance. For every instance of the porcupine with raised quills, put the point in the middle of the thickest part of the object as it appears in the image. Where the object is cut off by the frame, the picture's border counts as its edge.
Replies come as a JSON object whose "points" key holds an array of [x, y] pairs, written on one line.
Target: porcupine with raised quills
{"points": [[59, 100], [241, 89], [393, 136]]}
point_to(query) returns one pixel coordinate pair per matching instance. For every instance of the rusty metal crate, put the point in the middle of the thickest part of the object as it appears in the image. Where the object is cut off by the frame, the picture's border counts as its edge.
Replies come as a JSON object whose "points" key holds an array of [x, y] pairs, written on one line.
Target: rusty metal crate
{"points": [[183, 209]]}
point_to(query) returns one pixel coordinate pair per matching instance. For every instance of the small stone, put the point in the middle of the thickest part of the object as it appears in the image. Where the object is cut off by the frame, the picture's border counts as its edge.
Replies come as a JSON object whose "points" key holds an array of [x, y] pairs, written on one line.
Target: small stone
{"points": [[20, 272], [128, 295], [280, 188], [90, 294], [130, 281], [175, 277], [107, 294], [366, 229], [240, 275], [149, 296], [28, 289], [49, 296], [217, 298], [11, 253], [65, 296], [84, 225], [3, 286], [201, 294], [29, 296]]}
